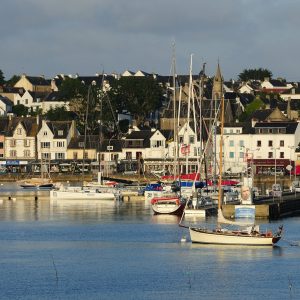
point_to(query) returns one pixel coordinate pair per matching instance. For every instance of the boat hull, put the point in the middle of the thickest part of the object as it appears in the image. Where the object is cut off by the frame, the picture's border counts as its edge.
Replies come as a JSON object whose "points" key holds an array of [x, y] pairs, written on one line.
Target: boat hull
{"points": [[81, 195], [48, 186], [167, 205], [211, 237]]}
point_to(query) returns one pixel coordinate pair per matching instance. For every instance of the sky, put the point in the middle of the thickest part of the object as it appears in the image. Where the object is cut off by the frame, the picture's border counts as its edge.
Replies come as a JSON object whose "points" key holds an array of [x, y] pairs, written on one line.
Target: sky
{"points": [[85, 37]]}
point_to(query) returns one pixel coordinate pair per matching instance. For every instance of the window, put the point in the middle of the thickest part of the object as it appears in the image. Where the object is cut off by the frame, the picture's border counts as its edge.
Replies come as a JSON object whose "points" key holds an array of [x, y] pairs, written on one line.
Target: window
{"points": [[19, 131], [231, 143], [26, 153], [156, 144], [270, 143], [75, 155], [258, 143], [238, 131], [242, 144], [281, 154], [86, 155], [26, 143], [281, 143], [59, 155], [231, 154], [45, 144], [1, 145], [191, 139], [13, 143], [180, 139], [270, 155], [26, 101], [60, 132], [81, 144], [13, 153], [129, 155], [45, 133], [45, 155], [241, 154], [60, 144]]}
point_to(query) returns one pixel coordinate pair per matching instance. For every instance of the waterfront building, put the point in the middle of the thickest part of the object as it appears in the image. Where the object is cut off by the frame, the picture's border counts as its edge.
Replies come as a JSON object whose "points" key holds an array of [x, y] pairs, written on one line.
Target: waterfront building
{"points": [[20, 142]]}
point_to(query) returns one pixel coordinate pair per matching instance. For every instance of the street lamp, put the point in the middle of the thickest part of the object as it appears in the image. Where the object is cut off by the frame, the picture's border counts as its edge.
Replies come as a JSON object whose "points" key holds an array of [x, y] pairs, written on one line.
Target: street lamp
{"points": [[273, 148]]}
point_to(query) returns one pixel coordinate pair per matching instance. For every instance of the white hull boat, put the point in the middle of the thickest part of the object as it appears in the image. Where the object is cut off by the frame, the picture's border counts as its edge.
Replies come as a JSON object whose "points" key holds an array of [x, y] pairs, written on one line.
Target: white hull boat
{"points": [[228, 237], [167, 205], [81, 194]]}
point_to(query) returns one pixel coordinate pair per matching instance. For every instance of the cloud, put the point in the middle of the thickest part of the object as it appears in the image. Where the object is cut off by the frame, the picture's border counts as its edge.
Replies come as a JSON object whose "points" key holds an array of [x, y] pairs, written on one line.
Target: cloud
{"points": [[74, 36]]}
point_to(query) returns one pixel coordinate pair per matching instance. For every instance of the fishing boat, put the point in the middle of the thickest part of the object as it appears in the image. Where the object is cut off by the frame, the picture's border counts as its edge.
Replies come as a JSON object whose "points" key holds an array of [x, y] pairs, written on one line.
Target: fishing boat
{"points": [[243, 234], [172, 205]]}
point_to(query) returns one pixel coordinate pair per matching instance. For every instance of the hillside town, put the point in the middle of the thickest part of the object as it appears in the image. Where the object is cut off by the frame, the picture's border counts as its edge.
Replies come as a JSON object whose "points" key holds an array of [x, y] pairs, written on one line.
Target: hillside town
{"points": [[264, 137]]}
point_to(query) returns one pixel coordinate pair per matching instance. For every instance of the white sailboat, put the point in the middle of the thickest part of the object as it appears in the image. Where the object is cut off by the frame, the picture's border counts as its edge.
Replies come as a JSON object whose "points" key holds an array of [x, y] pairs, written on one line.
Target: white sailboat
{"points": [[243, 234], [82, 192]]}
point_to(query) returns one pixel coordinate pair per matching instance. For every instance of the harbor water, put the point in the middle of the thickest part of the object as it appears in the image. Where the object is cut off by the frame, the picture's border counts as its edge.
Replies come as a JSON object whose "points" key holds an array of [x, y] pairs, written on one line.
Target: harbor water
{"points": [[120, 250]]}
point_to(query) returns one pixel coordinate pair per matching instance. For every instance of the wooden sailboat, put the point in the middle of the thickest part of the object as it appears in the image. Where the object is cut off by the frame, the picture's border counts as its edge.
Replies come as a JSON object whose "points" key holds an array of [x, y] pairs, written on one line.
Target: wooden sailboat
{"points": [[244, 234], [44, 182]]}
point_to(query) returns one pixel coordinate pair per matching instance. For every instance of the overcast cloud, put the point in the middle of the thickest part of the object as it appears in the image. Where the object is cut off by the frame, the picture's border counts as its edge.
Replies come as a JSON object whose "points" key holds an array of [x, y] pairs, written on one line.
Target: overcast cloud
{"points": [[87, 36]]}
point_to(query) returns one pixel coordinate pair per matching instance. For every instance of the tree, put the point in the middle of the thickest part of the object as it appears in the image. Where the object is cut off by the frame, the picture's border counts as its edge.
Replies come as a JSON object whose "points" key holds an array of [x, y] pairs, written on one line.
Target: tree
{"points": [[2, 78], [59, 114], [13, 80], [255, 74], [20, 110], [138, 95], [252, 107]]}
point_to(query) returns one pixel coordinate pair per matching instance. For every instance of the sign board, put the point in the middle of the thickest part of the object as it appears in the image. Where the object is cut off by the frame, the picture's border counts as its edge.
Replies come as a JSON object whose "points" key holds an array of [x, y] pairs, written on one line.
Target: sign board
{"points": [[245, 211]]}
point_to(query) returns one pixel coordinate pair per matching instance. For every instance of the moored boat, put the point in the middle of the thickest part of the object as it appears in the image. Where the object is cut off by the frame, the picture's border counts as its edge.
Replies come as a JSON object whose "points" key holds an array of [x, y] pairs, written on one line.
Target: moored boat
{"points": [[168, 205]]}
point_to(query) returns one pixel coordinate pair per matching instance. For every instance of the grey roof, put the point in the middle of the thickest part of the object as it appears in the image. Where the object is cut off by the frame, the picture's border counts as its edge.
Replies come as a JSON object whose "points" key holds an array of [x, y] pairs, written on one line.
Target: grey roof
{"points": [[6, 101], [39, 80], [290, 125], [57, 126], [29, 123], [91, 142]]}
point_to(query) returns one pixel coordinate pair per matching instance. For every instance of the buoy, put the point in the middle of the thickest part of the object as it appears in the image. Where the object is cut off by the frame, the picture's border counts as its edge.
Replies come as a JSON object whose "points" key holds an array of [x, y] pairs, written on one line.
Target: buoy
{"points": [[183, 239]]}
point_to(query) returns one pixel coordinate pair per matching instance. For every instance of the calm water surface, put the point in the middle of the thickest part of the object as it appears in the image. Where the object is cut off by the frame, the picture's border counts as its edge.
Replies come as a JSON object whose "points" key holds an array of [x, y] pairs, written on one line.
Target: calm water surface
{"points": [[109, 250]]}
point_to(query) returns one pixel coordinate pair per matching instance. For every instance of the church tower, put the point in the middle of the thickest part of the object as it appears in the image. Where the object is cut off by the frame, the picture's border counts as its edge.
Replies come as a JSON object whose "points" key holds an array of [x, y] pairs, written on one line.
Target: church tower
{"points": [[217, 90]]}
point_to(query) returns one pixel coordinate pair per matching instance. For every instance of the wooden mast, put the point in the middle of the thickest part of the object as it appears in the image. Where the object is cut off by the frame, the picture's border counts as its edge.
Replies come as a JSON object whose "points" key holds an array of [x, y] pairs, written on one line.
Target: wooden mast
{"points": [[221, 154]]}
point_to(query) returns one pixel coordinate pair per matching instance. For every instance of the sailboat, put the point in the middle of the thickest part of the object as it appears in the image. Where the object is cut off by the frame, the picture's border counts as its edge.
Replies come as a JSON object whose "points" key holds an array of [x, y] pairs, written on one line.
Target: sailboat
{"points": [[244, 234], [82, 192], [44, 182]]}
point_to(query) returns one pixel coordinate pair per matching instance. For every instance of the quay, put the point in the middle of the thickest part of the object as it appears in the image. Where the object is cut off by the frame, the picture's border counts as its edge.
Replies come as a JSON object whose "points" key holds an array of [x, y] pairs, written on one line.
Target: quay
{"points": [[269, 207]]}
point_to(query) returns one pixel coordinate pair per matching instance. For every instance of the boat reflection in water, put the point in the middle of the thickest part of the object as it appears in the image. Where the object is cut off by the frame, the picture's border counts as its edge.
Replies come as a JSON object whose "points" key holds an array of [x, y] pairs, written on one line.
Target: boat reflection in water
{"points": [[165, 219]]}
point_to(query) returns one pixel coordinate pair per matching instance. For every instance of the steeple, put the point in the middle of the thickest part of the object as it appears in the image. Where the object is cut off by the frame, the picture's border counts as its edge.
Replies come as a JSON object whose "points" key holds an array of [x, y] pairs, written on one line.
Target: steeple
{"points": [[217, 90]]}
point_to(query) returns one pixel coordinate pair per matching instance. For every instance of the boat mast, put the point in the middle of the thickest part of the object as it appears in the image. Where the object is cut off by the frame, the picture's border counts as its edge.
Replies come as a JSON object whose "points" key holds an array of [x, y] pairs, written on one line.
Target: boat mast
{"points": [[221, 154], [175, 165], [188, 115]]}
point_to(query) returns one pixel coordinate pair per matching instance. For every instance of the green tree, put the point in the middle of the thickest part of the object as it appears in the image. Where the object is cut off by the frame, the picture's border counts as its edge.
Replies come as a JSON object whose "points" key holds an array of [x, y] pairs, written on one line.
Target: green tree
{"points": [[252, 107], [139, 95], [13, 80], [255, 74], [20, 110], [59, 114], [2, 78]]}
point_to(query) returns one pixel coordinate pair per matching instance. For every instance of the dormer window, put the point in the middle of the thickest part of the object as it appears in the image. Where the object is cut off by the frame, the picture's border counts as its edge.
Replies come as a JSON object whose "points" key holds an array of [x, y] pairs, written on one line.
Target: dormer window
{"points": [[81, 144], [60, 132]]}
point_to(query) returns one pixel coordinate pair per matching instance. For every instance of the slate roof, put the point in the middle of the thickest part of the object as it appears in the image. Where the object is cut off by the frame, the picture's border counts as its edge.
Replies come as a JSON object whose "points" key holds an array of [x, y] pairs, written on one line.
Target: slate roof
{"points": [[260, 114], [38, 80], [277, 83], [116, 144], [91, 142], [290, 126], [56, 126], [29, 123], [6, 101], [55, 96]]}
